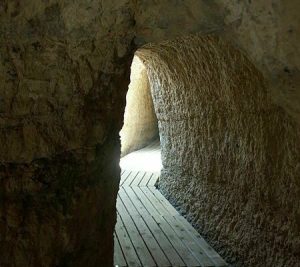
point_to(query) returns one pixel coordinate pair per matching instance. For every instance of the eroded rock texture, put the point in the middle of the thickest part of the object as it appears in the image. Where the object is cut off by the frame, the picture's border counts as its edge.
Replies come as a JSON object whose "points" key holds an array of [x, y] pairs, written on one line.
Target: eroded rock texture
{"points": [[64, 73], [230, 156], [268, 31], [140, 122]]}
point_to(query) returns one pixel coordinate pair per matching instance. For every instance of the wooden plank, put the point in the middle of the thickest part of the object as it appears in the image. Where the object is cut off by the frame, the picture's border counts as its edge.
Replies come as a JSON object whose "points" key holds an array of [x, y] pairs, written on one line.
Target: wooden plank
{"points": [[126, 244], [138, 178], [177, 244], [157, 232], [153, 227], [144, 231], [124, 176], [211, 253], [190, 243], [130, 178], [125, 173], [137, 241], [164, 202], [146, 179], [164, 242], [152, 244], [145, 201], [119, 259], [161, 208], [153, 179], [124, 199]]}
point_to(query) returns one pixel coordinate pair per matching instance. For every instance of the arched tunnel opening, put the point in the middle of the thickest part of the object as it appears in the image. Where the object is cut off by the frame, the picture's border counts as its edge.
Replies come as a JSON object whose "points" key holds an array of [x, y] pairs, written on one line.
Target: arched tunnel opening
{"points": [[164, 104], [226, 108], [210, 108], [140, 128]]}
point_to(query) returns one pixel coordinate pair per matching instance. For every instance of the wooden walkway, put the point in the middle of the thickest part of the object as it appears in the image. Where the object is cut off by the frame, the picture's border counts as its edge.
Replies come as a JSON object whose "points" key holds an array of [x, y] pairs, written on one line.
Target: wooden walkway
{"points": [[149, 230]]}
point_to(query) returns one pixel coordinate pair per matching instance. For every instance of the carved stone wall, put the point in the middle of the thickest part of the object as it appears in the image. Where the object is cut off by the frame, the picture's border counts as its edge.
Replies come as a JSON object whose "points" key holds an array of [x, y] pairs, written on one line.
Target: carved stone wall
{"points": [[230, 156]]}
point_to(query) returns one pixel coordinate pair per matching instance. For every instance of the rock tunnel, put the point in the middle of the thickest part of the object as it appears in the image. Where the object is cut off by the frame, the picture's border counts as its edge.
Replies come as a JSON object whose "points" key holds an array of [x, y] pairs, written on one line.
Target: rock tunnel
{"points": [[219, 132], [140, 123], [220, 86]]}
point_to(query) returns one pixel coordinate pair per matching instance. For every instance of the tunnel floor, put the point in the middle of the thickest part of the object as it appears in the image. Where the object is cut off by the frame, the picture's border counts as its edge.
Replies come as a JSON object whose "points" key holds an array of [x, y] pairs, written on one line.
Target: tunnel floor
{"points": [[149, 230]]}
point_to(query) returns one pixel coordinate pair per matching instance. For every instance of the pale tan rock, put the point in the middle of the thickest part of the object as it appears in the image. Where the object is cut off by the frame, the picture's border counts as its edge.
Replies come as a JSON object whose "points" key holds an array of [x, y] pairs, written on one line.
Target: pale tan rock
{"points": [[230, 156], [64, 73], [140, 122]]}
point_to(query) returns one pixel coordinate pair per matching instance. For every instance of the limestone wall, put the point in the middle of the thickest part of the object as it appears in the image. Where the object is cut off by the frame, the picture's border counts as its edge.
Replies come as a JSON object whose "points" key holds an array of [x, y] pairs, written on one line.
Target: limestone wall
{"points": [[140, 122], [64, 72], [230, 156], [268, 31]]}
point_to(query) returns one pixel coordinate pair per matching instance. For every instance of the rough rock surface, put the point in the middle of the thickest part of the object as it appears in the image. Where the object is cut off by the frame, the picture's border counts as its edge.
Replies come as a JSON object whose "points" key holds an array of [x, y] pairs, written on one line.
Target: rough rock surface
{"points": [[64, 72], [268, 31], [230, 156], [140, 122]]}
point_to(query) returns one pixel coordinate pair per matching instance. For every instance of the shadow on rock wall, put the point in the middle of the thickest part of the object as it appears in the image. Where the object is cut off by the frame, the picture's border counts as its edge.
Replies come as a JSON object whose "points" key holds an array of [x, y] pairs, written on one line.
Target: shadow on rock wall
{"points": [[230, 156]]}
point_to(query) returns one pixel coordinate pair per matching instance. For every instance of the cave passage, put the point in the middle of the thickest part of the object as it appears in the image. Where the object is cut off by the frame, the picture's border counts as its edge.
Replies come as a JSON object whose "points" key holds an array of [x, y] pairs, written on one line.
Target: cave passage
{"points": [[149, 230], [140, 124], [212, 126]]}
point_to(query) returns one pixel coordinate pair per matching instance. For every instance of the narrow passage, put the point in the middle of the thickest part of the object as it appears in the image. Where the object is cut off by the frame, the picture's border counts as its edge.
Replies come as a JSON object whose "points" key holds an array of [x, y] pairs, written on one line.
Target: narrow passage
{"points": [[149, 230]]}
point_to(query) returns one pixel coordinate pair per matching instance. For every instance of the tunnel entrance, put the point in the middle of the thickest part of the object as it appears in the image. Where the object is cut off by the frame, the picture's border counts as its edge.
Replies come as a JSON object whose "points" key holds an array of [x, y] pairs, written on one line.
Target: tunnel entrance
{"points": [[140, 142], [140, 123], [149, 230]]}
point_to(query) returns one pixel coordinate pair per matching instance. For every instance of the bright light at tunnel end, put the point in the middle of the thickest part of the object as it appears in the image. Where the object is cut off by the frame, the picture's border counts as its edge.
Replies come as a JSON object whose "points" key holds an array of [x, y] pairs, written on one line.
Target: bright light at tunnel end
{"points": [[148, 161]]}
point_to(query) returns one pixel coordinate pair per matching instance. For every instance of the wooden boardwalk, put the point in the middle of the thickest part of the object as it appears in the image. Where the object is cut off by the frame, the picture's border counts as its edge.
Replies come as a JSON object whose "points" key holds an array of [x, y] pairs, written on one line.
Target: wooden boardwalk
{"points": [[149, 230]]}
